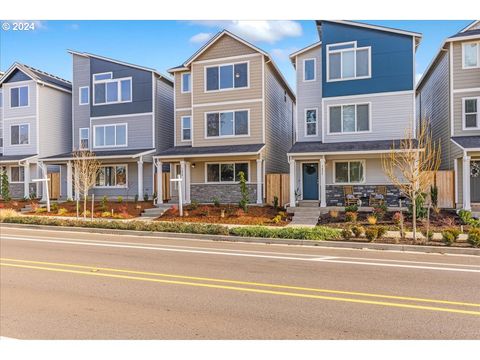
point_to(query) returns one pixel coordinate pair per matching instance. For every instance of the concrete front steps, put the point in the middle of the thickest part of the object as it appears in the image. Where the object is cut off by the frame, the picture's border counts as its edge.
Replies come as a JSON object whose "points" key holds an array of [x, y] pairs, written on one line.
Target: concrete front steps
{"points": [[155, 212], [304, 216]]}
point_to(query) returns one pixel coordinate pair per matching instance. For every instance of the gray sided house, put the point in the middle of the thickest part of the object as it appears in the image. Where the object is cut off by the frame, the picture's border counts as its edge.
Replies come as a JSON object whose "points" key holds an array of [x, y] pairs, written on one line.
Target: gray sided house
{"points": [[124, 114], [35, 121], [448, 95]]}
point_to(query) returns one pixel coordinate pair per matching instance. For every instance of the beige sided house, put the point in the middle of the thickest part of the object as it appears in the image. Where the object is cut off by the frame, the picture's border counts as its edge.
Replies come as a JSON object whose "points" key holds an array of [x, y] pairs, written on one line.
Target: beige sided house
{"points": [[233, 112], [449, 95]]}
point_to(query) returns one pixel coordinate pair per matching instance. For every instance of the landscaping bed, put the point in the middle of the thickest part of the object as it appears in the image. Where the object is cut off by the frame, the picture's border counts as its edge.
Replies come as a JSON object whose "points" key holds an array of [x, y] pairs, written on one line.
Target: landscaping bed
{"points": [[16, 204]]}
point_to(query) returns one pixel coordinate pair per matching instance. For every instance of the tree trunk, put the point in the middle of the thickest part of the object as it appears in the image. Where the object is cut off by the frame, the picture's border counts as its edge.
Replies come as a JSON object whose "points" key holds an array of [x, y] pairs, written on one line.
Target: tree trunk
{"points": [[414, 219], [85, 196]]}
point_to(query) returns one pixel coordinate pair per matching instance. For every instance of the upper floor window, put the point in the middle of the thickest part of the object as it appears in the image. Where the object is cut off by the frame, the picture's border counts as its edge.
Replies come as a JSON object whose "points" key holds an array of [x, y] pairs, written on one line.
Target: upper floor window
{"points": [[17, 174], [19, 134], [309, 71], [186, 128], [110, 135], [84, 95], [346, 61], [107, 90], [224, 77], [310, 122], [349, 118], [471, 118], [471, 55], [84, 138], [228, 123], [19, 96], [186, 82]]}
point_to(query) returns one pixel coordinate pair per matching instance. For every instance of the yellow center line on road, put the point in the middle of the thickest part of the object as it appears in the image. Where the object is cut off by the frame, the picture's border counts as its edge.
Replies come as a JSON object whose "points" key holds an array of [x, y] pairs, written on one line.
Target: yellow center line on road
{"points": [[234, 282]]}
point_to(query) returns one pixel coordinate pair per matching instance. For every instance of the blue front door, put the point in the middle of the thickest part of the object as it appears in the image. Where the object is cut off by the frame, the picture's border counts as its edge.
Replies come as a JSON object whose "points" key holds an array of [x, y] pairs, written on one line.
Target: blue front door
{"points": [[310, 181]]}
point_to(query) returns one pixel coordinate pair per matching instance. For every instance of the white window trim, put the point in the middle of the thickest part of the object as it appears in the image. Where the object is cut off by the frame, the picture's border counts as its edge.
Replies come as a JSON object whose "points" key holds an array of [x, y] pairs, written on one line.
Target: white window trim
{"points": [[10, 174], [205, 115], [305, 122], [28, 97], [80, 138], [364, 163], [220, 174], [341, 119], [182, 128], [119, 90], [104, 134], [10, 135], [463, 55], [314, 69], [103, 73], [116, 186], [464, 117], [190, 85], [229, 89], [80, 95], [355, 48]]}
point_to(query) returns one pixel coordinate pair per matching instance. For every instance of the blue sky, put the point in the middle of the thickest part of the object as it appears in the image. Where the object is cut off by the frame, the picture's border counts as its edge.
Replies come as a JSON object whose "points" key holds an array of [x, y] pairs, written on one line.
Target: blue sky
{"points": [[164, 44]]}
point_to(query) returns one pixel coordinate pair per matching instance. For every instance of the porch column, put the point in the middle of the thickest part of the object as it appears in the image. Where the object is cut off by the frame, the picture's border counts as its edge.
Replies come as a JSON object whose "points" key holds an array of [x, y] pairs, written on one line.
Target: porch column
{"points": [[183, 173], [323, 186], [159, 182], [292, 183], [188, 172], [259, 181], [69, 180], [140, 177], [26, 180], [43, 168], [466, 182]]}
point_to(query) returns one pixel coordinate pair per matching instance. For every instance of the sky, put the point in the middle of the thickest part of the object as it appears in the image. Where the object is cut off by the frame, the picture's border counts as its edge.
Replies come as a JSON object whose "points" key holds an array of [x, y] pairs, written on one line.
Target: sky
{"points": [[165, 44]]}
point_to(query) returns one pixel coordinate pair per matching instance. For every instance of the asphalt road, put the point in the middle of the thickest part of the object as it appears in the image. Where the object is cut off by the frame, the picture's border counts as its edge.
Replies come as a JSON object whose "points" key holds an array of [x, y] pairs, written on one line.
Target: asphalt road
{"points": [[80, 285]]}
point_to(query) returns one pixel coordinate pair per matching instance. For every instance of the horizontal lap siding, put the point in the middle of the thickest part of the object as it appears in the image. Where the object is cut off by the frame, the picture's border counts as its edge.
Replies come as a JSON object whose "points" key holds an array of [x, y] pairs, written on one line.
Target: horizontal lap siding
{"points": [[178, 127], [182, 100], [81, 113], [29, 149], [463, 78], [30, 110], [164, 116], [374, 174], [458, 113], [225, 46]]}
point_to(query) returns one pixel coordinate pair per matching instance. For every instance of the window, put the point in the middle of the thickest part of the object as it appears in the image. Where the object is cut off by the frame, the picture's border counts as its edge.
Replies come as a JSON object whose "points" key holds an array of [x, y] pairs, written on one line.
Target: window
{"points": [[110, 135], [309, 70], [84, 95], [347, 62], [470, 113], [112, 176], [349, 118], [107, 90], [186, 128], [226, 172], [349, 172], [84, 138], [19, 134], [17, 174], [231, 123], [19, 96], [186, 82], [226, 77], [310, 122], [471, 55]]}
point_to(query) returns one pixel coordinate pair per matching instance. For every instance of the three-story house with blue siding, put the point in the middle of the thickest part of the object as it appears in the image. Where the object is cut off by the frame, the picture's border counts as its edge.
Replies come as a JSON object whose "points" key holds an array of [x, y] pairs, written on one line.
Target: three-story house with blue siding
{"points": [[124, 114], [355, 97]]}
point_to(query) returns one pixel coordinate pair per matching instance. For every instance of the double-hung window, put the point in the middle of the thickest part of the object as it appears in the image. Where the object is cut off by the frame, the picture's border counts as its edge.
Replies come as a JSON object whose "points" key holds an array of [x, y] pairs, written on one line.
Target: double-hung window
{"points": [[107, 90], [349, 172], [309, 71], [110, 135], [112, 176], [346, 61], [84, 95], [19, 96], [17, 174], [186, 128], [471, 55], [226, 172], [471, 117], [186, 82], [353, 118], [84, 138], [227, 123], [310, 122], [224, 77], [19, 134]]}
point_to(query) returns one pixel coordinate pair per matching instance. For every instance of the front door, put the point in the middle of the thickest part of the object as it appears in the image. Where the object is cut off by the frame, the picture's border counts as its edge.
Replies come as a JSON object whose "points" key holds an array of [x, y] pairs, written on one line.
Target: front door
{"points": [[310, 181], [475, 181]]}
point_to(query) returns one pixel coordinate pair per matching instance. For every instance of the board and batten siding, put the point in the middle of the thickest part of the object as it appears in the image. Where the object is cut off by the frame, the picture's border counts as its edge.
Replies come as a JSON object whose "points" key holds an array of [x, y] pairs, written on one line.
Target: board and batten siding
{"points": [[81, 113], [164, 115], [463, 78], [182, 100], [309, 94], [178, 127], [390, 115]]}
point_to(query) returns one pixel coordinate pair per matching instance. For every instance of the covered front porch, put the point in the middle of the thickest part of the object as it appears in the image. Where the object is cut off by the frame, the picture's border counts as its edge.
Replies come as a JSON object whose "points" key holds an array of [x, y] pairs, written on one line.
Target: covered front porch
{"points": [[21, 170]]}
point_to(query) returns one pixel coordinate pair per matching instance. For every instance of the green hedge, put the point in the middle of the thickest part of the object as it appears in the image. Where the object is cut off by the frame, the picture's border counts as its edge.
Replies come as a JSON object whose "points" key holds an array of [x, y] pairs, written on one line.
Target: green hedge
{"points": [[316, 233]]}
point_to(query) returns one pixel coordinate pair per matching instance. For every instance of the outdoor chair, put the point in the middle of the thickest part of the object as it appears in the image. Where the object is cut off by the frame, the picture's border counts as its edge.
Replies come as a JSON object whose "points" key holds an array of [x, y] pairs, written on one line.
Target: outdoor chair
{"points": [[378, 197], [350, 198]]}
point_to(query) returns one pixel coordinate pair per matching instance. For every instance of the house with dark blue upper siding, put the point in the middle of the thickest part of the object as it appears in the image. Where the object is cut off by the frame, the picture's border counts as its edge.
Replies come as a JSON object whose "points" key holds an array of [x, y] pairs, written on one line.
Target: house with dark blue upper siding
{"points": [[355, 97], [124, 114]]}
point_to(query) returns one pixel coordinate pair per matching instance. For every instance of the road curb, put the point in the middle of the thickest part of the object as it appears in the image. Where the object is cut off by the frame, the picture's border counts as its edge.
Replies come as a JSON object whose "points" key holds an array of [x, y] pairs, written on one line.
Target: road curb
{"points": [[231, 238]]}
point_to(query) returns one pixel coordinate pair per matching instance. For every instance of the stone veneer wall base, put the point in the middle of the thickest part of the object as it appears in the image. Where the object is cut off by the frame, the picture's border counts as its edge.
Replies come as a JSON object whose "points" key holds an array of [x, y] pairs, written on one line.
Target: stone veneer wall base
{"points": [[225, 193]]}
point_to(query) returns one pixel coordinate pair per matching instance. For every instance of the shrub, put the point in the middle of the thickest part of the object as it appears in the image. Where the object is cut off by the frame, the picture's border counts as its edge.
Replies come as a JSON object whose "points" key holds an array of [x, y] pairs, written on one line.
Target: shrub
{"points": [[421, 210], [428, 235], [448, 221], [216, 202], [474, 237], [5, 186], [8, 213], [351, 216], [106, 214], [193, 205], [346, 233], [449, 236], [243, 191], [372, 219], [204, 211], [239, 213], [40, 210], [277, 219], [358, 230], [371, 233], [145, 197], [275, 202], [316, 233], [120, 199], [135, 199], [62, 211], [104, 204], [465, 216], [54, 206], [380, 211], [397, 218], [333, 214], [434, 195], [86, 213], [475, 223], [351, 208]]}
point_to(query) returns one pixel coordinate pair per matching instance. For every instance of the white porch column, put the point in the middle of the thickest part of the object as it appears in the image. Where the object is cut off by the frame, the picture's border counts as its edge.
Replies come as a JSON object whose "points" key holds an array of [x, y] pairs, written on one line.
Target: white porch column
{"points": [[159, 165], [323, 186], [44, 175], [188, 172], [183, 175], [140, 177], [259, 181], [292, 183], [26, 180], [466, 183], [69, 180]]}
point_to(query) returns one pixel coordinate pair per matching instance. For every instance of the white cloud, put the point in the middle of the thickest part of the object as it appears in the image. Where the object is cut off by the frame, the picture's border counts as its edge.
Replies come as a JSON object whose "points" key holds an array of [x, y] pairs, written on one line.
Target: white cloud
{"points": [[201, 37], [269, 31], [282, 54], [418, 77]]}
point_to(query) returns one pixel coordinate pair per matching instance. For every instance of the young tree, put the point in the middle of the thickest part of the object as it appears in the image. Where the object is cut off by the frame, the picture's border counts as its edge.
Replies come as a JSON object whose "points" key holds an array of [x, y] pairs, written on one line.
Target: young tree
{"points": [[5, 186], [243, 191], [412, 165], [86, 168]]}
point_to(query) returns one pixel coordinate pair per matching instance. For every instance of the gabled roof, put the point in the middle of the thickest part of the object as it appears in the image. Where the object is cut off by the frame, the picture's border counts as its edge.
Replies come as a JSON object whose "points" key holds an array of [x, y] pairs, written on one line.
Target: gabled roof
{"points": [[84, 54], [464, 34], [469, 26], [469, 143], [39, 76], [301, 51]]}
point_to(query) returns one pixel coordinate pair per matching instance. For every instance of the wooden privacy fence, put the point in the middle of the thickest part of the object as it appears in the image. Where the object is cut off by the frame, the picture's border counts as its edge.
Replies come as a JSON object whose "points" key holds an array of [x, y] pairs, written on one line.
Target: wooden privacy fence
{"points": [[277, 185], [445, 182], [54, 185]]}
